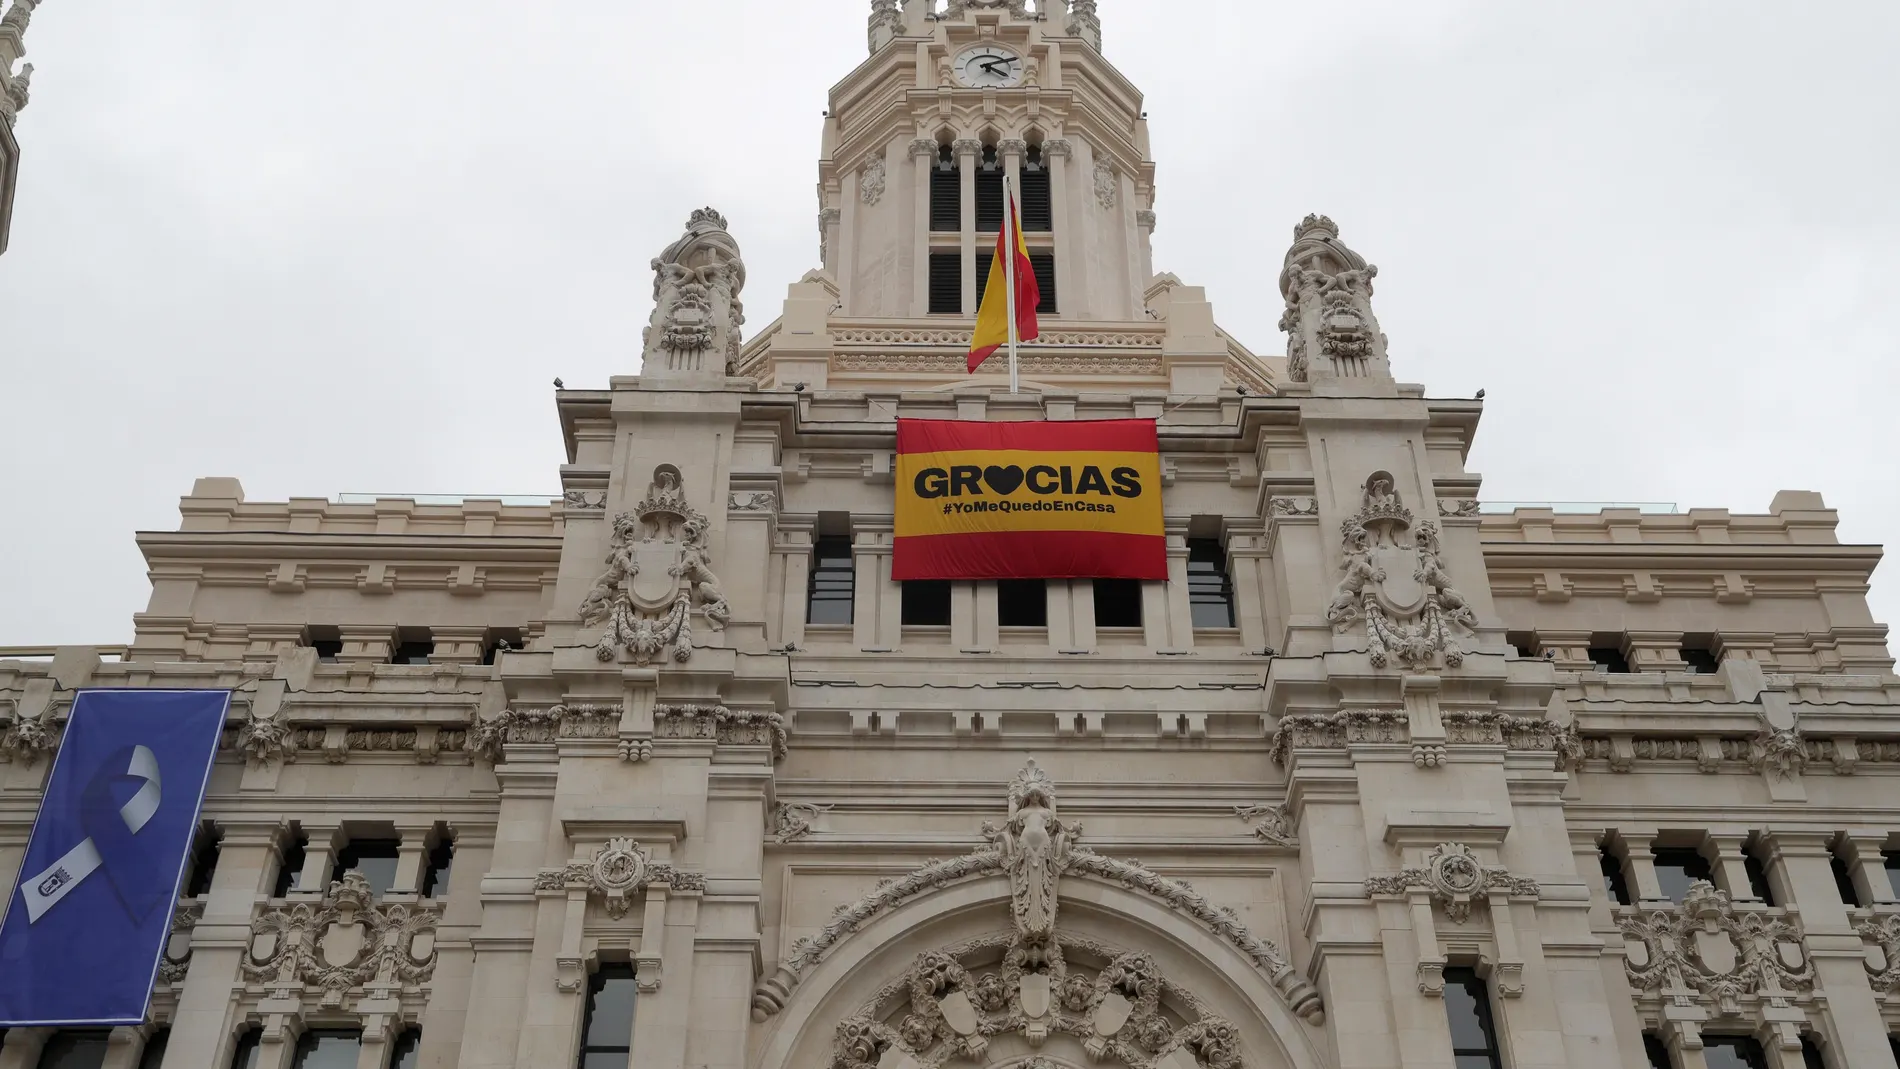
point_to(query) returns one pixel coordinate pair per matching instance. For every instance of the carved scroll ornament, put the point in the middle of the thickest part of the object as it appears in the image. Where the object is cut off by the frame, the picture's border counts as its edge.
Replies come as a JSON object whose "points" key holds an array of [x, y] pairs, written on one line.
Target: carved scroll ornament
{"points": [[1706, 951], [344, 943]]}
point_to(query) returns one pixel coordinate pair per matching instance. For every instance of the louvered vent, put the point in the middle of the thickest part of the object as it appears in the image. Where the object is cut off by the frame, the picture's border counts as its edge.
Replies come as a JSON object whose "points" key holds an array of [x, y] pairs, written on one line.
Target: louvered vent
{"points": [[1045, 266], [946, 284], [946, 195]]}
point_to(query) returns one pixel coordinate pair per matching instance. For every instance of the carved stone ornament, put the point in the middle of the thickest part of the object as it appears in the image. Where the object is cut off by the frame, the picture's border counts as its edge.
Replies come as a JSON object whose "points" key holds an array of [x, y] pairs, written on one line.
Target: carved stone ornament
{"points": [[616, 874], [584, 500], [697, 314], [1705, 952], [1271, 824], [1459, 508], [1107, 187], [176, 960], [346, 943], [792, 821], [658, 568], [1085, 23], [886, 22], [15, 88], [1395, 581], [1328, 291], [871, 181], [1293, 506], [487, 738], [28, 738], [1463, 727], [727, 727], [1780, 751], [1035, 850], [265, 740], [1882, 933], [752, 501], [1454, 878]]}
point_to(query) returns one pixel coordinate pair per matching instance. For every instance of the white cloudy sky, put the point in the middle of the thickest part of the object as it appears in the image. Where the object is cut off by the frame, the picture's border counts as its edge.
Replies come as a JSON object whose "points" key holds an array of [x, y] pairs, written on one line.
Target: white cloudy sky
{"points": [[346, 246]]}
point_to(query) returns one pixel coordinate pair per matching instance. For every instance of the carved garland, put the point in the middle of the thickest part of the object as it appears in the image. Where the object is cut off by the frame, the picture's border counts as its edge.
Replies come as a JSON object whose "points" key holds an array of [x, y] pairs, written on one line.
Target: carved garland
{"points": [[1454, 878], [658, 568], [1395, 581], [1707, 950], [487, 738], [617, 872], [730, 727], [346, 942]]}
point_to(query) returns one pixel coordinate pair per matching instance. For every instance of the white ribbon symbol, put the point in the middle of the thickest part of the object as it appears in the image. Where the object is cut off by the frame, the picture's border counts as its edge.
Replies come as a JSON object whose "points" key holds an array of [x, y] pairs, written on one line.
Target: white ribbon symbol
{"points": [[43, 892]]}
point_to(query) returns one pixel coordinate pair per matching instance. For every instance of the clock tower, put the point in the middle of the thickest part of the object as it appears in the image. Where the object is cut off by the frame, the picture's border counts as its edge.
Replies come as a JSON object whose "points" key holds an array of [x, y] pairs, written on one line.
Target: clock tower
{"points": [[955, 97]]}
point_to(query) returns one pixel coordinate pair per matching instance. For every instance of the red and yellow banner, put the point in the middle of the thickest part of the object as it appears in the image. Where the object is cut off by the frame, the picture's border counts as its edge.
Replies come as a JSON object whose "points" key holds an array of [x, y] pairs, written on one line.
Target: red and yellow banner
{"points": [[1045, 500]]}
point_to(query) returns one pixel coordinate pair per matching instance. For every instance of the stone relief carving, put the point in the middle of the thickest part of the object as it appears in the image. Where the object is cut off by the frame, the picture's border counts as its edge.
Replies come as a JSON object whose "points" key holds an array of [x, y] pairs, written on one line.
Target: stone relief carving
{"points": [[730, 727], [792, 821], [1395, 581], [344, 943], [584, 500], [1328, 291], [697, 313], [1883, 962], [886, 21], [1271, 823], [1034, 850], [1293, 506], [1707, 952], [177, 957], [658, 568], [1335, 731], [1085, 23], [1145, 218], [1460, 507], [752, 501], [1778, 750], [1107, 186], [28, 738], [265, 740], [617, 872], [486, 738], [1454, 878]]}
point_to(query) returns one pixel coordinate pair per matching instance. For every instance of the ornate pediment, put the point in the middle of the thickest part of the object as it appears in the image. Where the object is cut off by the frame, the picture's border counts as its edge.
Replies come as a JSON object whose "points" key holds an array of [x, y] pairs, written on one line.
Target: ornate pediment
{"points": [[344, 944], [1733, 963]]}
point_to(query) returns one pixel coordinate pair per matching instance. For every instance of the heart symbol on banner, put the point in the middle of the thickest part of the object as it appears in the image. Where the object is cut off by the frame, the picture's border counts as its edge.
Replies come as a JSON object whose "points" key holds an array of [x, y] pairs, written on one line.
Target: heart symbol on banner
{"points": [[1003, 480]]}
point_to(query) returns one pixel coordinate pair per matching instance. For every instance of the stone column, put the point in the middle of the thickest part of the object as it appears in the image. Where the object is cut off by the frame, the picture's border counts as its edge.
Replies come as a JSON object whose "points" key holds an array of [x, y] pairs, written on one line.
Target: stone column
{"points": [[923, 161], [874, 619], [410, 857], [1868, 866], [1055, 157], [202, 1027], [1656, 651], [1855, 1031], [795, 546], [125, 1047], [446, 1017], [1011, 150], [969, 151], [1246, 571], [319, 857], [1732, 864], [20, 1048], [526, 840]]}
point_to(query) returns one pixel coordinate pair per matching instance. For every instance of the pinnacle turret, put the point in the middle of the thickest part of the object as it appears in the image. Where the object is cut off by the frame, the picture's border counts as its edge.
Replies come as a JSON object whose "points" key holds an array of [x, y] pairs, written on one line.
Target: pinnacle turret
{"points": [[14, 87]]}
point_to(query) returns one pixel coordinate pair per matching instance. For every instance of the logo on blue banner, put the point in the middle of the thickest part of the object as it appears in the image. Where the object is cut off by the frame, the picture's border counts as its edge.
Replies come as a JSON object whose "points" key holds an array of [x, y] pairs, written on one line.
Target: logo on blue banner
{"points": [[87, 924]]}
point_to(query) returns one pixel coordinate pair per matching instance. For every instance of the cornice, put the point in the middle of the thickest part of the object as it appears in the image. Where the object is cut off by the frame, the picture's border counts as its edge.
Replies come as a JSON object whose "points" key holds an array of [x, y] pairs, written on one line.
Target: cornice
{"points": [[230, 546], [1507, 556]]}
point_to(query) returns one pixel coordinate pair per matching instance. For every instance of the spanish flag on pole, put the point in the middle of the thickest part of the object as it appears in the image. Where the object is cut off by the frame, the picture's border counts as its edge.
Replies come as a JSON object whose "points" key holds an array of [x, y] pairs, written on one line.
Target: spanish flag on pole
{"points": [[1007, 313]]}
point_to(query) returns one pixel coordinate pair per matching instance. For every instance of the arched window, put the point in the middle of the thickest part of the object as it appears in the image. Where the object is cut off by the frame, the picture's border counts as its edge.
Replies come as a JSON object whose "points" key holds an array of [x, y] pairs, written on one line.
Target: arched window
{"points": [[1038, 212], [946, 194]]}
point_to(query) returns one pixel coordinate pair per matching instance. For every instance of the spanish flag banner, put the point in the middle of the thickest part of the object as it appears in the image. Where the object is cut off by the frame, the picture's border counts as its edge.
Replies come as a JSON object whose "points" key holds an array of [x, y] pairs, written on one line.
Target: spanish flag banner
{"points": [[1041, 500], [994, 312]]}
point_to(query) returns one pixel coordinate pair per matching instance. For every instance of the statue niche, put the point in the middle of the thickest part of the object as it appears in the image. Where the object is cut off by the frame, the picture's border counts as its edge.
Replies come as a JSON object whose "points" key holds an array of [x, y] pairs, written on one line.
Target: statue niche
{"points": [[1331, 331], [1395, 580], [696, 309], [658, 567]]}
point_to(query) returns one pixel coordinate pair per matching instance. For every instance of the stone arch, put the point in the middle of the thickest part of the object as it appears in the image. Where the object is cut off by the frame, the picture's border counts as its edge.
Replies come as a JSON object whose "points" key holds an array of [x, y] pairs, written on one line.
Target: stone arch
{"points": [[1204, 980]]}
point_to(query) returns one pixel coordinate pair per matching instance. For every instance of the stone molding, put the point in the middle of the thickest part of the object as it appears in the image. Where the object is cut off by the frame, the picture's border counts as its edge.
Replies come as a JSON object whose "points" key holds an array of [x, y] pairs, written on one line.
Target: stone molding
{"points": [[1707, 954], [618, 871], [517, 725], [1271, 823], [726, 727], [1337, 731], [344, 944]]}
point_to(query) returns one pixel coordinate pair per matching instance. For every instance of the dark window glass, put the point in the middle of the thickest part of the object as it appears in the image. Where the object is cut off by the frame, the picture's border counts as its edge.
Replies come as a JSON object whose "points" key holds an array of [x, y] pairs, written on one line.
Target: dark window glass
{"points": [[501, 642], [1701, 659], [1758, 878], [607, 1032], [1894, 1042], [1038, 211], [946, 283], [1021, 603], [1610, 659], [926, 602], [1044, 264], [245, 1056], [1474, 1042], [406, 1053], [435, 878], [1117, 603], [1656, 1051], [413, 649], [325, 640], [1210, 591], [1676, 869], [154, 1054], [68, 1049], [829, 593], [1891, 859], [946, 194], [989, 193], [1844, 880], [1733, 1052], [374, 858], [1614, 882], [327, 1050], [290, 872], [204, 862], [1811, 1054]]}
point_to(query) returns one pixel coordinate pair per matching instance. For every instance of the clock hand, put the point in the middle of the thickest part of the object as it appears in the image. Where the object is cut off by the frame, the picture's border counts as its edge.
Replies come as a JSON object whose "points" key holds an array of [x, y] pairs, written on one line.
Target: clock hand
{"points": [[992, 65]]}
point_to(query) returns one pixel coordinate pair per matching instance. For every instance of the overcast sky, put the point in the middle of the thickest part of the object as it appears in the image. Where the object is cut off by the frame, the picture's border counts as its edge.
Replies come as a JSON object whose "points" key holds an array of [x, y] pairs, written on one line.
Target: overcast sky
{"points": [[346, 246]]}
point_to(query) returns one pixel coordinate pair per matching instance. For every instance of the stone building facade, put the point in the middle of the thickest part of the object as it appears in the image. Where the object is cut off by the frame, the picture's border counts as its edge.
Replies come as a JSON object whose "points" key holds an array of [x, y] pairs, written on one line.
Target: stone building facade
{"points": [[1380, 777], [15, 80]]}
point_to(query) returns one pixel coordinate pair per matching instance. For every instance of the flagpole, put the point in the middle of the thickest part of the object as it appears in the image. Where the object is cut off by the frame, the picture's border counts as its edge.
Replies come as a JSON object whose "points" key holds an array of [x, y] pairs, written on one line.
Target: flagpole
{"points": [[1009, 275]]}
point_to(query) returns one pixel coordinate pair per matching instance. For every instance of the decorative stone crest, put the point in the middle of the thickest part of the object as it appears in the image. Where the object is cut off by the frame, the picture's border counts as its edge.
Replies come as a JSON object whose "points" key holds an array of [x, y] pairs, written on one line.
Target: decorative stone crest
{"points": [[617, 872], [1034, 850], [345, 943], [871, 181], [1781, 751], [1328, 291], [1454, 878], [28, 738], [1107, 186], [1459, 508], [177, 957], [1707, 952], [1270, 823], [264, 740], [1883, 953], [658, 567], [1395, 581], [697, 314]]}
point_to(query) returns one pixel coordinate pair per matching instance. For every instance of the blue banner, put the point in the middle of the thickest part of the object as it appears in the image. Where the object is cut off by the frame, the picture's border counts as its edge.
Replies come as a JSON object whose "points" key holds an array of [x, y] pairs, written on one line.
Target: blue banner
{"points": [[87, 923]]}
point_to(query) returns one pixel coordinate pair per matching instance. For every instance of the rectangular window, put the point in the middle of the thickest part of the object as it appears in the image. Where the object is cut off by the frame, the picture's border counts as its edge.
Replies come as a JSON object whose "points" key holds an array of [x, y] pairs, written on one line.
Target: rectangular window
{"points": [[1022, 603], [1044, 264], [1811, 1053], [1117, 603], [74, 1049], [1038, 211], [204, 861], [374, 858], [1615, 884], [413, 646], [946, 194], [1844, 879], [406, 1053], [829, 593], [1210, 590], [926, 602], [1677, 868], [245, 1057], [1891, 861], [1609, 659], [1656, 1051], [1733, 1052], [327, 1049], [501, 640], [1699, 655], [435, 878], [153, 1056], [1474, 1040], [985, 259], [326, 640], [989, 196], [607, 1031], [290, 869], [946, 283], [1758, 884]]}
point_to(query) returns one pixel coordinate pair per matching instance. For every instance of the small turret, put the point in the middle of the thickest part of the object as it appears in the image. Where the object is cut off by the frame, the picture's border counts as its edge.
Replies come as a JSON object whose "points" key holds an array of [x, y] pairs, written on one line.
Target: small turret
{"points": [[13, 87]]}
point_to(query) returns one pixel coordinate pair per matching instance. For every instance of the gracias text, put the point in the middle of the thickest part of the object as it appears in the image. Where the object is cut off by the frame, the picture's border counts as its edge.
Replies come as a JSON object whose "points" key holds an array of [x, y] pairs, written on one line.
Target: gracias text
{"points": [[961, 479]]}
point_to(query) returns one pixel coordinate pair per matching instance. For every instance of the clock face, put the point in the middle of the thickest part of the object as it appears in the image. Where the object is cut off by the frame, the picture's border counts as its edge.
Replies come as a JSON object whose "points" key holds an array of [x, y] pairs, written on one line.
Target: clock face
{"points": [[988, 67]]}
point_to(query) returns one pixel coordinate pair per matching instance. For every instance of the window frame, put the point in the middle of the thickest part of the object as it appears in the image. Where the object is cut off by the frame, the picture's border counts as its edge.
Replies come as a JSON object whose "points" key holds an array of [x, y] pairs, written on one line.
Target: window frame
{"points": [[597, 985], [821, 579], [1197, 586], [1475, 987]]}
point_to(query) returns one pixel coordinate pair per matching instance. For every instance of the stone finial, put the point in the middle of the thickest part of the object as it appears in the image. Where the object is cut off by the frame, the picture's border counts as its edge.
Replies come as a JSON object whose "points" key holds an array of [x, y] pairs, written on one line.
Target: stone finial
{"points": [[1331, 331], [887, 24], [14, 87], [1085, 23], [694, 332]]}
